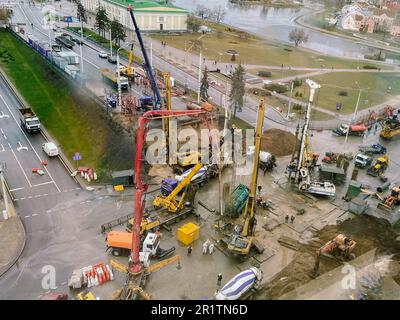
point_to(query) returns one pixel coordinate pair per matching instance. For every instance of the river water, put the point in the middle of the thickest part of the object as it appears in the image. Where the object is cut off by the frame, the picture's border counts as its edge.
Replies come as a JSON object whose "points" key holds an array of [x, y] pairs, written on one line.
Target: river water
{"points": [[276, 23]]}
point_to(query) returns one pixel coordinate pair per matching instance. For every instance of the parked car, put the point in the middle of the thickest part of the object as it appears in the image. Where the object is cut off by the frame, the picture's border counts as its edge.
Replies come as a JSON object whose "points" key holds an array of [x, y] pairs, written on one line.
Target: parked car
{"points": [[50, 149], [373, 149], [112, 59], [362, 160], [103, 55]]}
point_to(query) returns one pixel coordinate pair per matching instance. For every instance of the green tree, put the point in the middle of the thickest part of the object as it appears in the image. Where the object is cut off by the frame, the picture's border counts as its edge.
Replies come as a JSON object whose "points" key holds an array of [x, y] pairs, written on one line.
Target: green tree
{"points": [[298, 36], [80, 11], [117, 32], [102, 22], [237, 89], [204, 85]]}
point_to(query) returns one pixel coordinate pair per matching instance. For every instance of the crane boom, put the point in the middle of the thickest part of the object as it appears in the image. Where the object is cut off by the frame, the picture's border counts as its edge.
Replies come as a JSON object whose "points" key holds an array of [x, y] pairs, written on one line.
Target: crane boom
{"points": [[140, 187], [240, 244], [250, 204], [147, 64], [170, 202]]}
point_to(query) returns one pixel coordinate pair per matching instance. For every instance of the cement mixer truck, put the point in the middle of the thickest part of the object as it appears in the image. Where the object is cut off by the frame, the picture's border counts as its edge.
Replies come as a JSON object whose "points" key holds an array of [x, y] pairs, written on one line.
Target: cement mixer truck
{"points": [[241, 285], [267, 160]]}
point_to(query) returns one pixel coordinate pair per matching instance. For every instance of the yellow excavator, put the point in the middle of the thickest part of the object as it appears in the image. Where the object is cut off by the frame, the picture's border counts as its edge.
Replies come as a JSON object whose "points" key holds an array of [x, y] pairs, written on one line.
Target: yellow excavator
{"points": [[242, 238], [171, 202], [128, 71]]}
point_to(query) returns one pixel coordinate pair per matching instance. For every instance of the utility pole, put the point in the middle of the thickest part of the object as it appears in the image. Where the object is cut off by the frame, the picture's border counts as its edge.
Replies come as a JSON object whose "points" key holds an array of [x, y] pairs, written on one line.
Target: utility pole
{"points": [[6, 213], [151, 53], [110, 44], [290, 101], [353, 118], [198, 92], [80, 46], [119, 82]]}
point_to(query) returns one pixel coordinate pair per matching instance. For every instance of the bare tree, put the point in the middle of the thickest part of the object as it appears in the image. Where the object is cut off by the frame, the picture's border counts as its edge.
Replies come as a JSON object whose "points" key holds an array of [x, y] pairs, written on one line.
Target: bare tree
{"points": [[203, 12], [193, 23], [298, 36], [5, 15], [218, 14]]}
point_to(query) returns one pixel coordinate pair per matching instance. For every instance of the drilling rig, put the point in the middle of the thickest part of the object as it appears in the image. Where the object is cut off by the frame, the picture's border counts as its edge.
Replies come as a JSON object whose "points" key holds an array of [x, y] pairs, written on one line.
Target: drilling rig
{"points": [[302, 164]]}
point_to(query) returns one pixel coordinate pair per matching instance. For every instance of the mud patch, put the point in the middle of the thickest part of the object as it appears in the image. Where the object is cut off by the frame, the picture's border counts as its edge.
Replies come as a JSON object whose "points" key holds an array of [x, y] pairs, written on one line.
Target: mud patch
{"points": [[368, 232]]}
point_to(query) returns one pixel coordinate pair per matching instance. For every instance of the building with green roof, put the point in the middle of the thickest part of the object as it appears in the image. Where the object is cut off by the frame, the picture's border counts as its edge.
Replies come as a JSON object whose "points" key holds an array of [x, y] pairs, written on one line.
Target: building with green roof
{"points": [[150, 15]]}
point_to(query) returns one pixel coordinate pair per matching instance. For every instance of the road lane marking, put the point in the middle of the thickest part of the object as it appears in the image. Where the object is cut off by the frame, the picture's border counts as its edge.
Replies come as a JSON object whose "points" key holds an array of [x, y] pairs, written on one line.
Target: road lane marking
{"points": [[2, 115], [3, 134], [2, 148], [45, 168], [20, 147], [42, 184], [35, 214], [45, 195], [17, 189], [22, 169]]}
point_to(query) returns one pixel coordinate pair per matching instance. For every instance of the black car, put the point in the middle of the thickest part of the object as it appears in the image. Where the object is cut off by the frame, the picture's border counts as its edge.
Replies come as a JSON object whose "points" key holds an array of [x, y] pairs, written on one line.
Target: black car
{"points": [[77, 40], [112, 59]]}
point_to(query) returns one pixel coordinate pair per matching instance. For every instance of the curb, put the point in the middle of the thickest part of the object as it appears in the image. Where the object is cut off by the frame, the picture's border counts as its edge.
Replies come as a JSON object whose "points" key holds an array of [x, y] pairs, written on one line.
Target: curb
{"points": [[43, 130], [21, 248]]}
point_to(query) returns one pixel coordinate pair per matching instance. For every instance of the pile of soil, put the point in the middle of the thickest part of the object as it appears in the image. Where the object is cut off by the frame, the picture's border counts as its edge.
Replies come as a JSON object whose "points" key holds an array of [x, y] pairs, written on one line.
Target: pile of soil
{"points": [[160, 172], [278, 142], [368, 232]]}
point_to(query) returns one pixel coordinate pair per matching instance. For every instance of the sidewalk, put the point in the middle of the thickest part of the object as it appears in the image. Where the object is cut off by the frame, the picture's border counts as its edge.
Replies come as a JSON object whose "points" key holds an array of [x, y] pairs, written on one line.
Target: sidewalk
{"points": [[13, 238]]}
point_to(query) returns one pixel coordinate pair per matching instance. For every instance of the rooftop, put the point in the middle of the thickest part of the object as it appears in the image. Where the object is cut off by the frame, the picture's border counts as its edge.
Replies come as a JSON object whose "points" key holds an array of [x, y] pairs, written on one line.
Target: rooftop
{"points": [[148, 6]]}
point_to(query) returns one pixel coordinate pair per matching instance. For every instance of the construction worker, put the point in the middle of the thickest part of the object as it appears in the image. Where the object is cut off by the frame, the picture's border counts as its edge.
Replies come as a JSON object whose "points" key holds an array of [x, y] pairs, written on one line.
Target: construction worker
{"points": [[292, 219], [189, 250], [287, 218], [211, 248], [219, 279]]}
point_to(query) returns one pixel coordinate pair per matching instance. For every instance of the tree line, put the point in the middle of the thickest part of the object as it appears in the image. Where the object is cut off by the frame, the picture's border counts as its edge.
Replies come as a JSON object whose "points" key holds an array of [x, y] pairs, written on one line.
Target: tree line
{"points": [[103, 23]]}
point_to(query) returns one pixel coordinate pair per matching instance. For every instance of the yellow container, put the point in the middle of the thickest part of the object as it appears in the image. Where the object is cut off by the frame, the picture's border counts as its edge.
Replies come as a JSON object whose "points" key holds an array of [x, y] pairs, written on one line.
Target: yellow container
{"points": [[188, 233]]}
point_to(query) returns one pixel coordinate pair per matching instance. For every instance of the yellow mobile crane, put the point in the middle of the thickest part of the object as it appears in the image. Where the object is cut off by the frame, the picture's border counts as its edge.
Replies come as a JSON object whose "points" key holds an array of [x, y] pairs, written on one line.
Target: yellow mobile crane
{"points": [[242, 238], [170, 202], [128, 71]]}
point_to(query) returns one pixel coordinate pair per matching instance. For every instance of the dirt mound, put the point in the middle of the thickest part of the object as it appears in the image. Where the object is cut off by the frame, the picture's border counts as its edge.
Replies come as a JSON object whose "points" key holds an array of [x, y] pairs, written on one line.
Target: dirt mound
{"points": [[159, 172], [366, 231], [278, 142]]}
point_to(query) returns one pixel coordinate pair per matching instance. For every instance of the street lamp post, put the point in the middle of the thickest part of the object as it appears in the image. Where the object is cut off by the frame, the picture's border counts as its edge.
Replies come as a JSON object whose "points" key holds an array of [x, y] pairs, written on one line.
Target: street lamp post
{"points": [[80, 47], [199, 84], [110, 44], [5, 196], [119, 82], [353, 117]]}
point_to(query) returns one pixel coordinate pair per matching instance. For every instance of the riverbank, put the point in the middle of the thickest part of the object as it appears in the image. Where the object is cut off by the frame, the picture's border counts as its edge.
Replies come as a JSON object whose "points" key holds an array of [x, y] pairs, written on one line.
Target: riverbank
{"points": [[270, 3], [300, 20]]}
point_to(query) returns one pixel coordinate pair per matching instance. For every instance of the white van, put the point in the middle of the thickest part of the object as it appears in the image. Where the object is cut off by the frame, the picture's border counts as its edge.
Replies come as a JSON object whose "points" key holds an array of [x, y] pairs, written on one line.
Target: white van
{"points": [[50, 149]]}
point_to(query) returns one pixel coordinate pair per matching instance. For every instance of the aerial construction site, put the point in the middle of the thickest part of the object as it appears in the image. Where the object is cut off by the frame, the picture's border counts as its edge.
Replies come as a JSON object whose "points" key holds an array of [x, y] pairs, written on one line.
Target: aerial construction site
{"points": [[148, 179]]}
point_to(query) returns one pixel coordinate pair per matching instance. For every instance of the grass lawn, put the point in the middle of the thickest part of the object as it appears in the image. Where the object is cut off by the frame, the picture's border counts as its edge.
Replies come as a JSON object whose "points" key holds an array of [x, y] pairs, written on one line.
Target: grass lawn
{"points": [[73, 118], [378, 88], [252, 50], [277, 74], [283, 105]]}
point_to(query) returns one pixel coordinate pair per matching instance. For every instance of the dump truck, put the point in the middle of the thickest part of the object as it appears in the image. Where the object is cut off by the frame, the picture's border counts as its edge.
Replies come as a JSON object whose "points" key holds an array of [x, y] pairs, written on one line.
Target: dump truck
{"points": [[29, 120], [120, 243], [112, 79], [240, 285], [62, 40], [354, 130], [390, 129], [237, 201]]}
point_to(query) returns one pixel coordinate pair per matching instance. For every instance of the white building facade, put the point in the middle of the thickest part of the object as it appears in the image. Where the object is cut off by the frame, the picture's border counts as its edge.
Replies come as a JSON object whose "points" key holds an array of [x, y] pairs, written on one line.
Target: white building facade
{"points": [[151, 16]]}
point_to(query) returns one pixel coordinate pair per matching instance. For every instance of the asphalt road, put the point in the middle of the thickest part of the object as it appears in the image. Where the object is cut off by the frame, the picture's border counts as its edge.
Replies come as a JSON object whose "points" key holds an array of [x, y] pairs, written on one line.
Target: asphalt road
{"points": [[61, 220]]}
